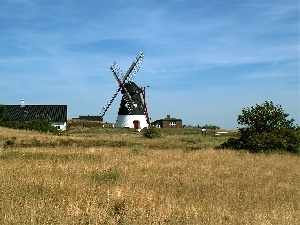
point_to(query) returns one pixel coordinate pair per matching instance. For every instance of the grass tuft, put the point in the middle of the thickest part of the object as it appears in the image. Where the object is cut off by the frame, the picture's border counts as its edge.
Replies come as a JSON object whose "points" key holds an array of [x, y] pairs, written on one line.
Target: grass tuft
{"points": [[107, 176]]}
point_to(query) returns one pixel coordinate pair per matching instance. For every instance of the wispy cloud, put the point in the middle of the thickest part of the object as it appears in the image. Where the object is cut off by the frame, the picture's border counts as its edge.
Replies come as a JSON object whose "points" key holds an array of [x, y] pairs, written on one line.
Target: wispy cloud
{"points": [[62, 52]]}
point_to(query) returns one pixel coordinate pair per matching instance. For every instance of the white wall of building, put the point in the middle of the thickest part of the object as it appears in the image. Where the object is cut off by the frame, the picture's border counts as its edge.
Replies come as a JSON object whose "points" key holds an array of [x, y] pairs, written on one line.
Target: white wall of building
{"points": [[60, 125], [127, 121]]}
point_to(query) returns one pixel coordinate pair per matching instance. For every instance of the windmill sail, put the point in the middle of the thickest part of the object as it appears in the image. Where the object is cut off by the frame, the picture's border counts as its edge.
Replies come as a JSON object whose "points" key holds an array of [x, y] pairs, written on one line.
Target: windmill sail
{"points": [[108, 104], [125, 93], [135, 66]]}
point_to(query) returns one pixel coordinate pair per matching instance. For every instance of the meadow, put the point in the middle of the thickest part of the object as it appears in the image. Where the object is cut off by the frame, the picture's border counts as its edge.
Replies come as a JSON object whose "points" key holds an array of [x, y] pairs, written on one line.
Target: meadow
{"points": [[116, 176]]}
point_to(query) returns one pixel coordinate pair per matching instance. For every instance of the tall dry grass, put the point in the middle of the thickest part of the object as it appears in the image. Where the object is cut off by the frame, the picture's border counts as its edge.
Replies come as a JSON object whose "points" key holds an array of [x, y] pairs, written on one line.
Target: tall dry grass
{"points": [[142, 185]]}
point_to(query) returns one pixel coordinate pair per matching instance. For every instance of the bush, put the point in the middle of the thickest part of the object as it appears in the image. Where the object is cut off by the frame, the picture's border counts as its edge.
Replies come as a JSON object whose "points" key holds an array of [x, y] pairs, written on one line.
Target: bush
{"points": [[10, 143], [266, 128], [151, 132], [4, 117], [210, 127], [136, 150], [40, 123]]}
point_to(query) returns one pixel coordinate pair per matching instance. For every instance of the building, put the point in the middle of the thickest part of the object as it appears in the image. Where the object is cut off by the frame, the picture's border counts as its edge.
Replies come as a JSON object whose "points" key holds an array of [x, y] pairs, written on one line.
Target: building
{"points": [[168, 122], [57, 113]]}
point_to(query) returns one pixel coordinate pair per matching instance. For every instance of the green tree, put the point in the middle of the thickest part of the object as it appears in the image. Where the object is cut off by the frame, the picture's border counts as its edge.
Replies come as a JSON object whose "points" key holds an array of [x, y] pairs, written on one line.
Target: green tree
{"points": [[4, 117], [264, 118], [265, 128]]}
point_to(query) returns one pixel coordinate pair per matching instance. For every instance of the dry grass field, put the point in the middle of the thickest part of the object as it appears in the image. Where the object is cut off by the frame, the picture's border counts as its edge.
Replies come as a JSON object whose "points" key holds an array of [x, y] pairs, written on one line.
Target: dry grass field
{"points": [[94, 176]]}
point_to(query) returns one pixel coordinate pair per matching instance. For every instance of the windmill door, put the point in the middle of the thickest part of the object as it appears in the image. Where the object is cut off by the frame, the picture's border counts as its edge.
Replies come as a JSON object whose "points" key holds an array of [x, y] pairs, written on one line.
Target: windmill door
{"points": [[136, 124]]}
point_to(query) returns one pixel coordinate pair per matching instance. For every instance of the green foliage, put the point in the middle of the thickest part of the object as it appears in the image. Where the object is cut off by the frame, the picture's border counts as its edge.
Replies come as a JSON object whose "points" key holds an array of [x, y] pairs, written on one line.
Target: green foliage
{"points": [[4, 117], [136, 150], [264, 118], [40, 123], [151, 132], [210, 127], [266, 128]]}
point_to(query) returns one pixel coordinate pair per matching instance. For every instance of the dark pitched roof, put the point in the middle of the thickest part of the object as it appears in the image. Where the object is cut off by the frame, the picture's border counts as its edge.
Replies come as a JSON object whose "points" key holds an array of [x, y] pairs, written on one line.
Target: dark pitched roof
{"points": [[57, 113], [169, 118]]}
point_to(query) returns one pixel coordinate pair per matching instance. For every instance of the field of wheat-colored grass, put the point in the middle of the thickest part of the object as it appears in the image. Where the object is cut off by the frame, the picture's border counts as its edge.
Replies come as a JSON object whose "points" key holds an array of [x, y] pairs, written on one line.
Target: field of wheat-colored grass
{"points": [[93, 176]]}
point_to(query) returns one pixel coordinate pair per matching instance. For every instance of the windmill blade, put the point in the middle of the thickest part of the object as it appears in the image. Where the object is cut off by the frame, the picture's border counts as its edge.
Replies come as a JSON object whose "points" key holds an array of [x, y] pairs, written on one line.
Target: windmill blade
{"points": [[127, 98], [117, 72], [132, 71], [134, 68], [108, 104], [121, 83]]}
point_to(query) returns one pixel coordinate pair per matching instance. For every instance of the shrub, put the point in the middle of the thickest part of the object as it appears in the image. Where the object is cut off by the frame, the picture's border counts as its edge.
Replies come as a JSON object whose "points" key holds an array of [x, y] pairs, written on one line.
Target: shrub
{"points": [[10, 143], [40, 123], [211, 127], [266, 128], [136, 150], [151, 132], [4, 117]]}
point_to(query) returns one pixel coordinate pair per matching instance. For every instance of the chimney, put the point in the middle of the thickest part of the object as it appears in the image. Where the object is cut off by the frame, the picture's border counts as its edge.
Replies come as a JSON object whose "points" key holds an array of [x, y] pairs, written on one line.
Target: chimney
{"points": [[22, 104], [168, 116]]}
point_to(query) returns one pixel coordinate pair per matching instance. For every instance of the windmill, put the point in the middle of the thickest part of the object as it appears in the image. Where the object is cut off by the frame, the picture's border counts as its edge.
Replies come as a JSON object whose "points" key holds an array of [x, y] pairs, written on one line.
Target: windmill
{"points": [[133, 110]]}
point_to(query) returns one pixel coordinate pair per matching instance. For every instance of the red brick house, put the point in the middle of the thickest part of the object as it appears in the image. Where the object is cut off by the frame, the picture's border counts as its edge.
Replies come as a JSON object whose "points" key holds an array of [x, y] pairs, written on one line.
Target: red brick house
{"points": [[168, 122]]}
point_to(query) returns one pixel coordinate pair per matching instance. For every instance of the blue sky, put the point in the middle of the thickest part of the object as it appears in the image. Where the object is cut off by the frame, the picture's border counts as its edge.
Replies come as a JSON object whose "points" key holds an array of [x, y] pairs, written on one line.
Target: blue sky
{"points": [[204, 60]]}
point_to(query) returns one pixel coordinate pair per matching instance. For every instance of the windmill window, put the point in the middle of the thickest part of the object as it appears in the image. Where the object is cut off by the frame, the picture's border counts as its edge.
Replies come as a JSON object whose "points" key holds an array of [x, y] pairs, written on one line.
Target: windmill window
{"points": [[172, 123]]}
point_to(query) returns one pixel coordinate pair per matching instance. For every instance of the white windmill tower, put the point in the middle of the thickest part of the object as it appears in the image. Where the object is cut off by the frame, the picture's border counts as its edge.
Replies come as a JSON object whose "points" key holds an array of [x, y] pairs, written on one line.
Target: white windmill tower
{"points": [[133, 111]]}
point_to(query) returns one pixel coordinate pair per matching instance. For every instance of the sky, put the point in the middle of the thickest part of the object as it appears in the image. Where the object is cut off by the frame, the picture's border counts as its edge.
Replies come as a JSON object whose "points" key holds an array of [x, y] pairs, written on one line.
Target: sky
{"points": [[204, 60]]}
